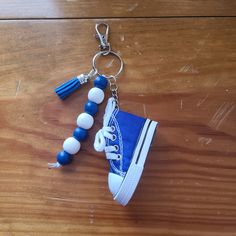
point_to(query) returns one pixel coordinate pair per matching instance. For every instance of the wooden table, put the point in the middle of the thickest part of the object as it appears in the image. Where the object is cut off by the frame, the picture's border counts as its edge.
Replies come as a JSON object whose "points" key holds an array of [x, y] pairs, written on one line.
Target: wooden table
{"points": [[180, 69]]}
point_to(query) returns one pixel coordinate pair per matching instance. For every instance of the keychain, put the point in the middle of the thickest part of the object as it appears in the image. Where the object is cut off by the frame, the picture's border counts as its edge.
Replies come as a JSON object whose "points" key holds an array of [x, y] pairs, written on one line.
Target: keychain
{"points": [[125, 138]]}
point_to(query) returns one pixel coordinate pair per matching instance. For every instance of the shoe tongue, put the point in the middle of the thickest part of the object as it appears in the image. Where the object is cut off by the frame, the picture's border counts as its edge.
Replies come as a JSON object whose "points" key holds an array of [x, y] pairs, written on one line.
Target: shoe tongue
{"points": [[111, 105]]}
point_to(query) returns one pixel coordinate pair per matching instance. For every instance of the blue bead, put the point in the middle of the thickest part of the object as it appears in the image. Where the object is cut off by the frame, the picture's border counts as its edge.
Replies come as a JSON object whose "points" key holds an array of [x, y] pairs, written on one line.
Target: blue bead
{"points": [[80, 134], [100, 82], [91, 108], [64, 158]]}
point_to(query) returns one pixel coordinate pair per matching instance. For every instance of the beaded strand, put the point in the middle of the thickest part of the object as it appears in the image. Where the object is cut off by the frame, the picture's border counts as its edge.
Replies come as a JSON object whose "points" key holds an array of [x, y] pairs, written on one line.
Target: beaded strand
{"points": [[84, 122]]}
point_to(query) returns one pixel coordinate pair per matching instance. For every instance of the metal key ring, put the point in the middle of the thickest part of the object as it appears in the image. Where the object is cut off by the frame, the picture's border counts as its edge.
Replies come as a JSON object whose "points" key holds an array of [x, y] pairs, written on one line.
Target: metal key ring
{"points": [[104, 53]]}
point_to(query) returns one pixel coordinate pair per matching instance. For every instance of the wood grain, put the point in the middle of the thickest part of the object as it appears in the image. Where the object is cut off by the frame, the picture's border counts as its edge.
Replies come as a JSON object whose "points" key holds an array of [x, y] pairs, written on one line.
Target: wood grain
{"points": [[114, 8], [180, 72]]}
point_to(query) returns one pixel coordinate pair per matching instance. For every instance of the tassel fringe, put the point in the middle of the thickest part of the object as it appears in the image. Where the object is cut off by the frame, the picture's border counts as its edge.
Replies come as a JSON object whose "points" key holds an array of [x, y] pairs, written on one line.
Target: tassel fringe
{"points": [[67, 88]]}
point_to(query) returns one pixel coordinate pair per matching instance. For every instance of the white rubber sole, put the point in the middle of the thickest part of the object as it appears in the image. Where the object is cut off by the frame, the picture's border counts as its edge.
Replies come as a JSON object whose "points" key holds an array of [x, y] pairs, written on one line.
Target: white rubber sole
{"points": [[135, 170]]}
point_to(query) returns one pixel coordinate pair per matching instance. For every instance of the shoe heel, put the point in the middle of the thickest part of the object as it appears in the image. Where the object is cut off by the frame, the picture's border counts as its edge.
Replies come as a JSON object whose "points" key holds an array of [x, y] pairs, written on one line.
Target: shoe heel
{"points": [[135, 171], [147, 143]]}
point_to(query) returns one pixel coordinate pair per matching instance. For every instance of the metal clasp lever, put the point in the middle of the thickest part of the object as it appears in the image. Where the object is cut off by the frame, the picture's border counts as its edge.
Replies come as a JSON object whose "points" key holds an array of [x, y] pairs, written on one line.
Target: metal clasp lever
{"points": [[103, 37]]}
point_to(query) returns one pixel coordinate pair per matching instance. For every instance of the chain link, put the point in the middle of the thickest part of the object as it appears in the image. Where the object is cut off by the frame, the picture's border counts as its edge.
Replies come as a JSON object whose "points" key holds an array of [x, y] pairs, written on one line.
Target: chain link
{"points": [[114, 89]]}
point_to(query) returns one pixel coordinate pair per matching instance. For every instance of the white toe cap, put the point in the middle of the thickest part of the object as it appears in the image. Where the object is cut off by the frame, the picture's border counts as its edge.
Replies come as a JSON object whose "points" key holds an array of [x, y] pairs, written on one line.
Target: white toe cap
{"points": [[114, 183]]}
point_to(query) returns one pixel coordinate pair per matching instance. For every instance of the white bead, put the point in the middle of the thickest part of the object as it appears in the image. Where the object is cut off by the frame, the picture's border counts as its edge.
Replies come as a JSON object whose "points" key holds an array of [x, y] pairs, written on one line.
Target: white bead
{"points": [[85, 121], [96, 95], [71, 145]]}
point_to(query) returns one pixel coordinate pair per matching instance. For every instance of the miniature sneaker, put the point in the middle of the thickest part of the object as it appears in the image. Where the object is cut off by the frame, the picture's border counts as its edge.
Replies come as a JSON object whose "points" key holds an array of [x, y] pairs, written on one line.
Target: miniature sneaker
{"points": [[126, 140]]}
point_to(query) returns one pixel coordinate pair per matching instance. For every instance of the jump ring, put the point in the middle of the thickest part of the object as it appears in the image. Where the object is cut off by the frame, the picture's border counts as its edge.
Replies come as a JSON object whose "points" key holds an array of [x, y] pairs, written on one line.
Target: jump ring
{"points": [[113, 87]]}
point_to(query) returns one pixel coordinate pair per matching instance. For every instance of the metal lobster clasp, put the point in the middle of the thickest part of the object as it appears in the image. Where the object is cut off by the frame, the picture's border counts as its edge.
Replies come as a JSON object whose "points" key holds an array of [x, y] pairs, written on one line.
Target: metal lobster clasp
{"points": [[103, 37]]}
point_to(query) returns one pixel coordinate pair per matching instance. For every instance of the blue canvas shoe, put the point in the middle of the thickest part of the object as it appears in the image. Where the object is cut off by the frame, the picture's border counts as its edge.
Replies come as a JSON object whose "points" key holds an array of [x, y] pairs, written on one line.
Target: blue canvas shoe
{"points": [[126, 140]]}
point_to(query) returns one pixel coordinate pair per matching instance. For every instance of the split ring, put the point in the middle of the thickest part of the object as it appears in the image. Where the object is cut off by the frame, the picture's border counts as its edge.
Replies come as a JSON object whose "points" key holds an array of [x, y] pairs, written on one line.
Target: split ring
{"points": [[103, 53]]}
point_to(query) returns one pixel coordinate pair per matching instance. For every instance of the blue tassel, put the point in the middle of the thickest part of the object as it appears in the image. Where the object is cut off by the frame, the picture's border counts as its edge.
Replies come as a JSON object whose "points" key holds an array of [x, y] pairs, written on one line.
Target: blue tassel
{"points": [[67, 88]]}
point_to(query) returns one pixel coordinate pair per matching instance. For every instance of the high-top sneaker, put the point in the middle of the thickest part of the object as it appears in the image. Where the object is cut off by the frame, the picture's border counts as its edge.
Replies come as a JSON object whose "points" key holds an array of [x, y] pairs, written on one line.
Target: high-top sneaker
{"points": [[126, 140]]}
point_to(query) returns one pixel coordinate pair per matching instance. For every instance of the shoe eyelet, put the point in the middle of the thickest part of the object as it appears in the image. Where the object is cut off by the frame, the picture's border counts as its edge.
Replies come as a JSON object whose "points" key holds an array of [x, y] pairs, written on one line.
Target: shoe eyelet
{"points": [[113, 128], [118, 157], [116, 147], [113, 137]]}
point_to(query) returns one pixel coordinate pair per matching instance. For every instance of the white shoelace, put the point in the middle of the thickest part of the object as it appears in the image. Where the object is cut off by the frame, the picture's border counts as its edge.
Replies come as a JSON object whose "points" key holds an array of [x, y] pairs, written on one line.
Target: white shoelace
{"points": [[106, 132]]}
